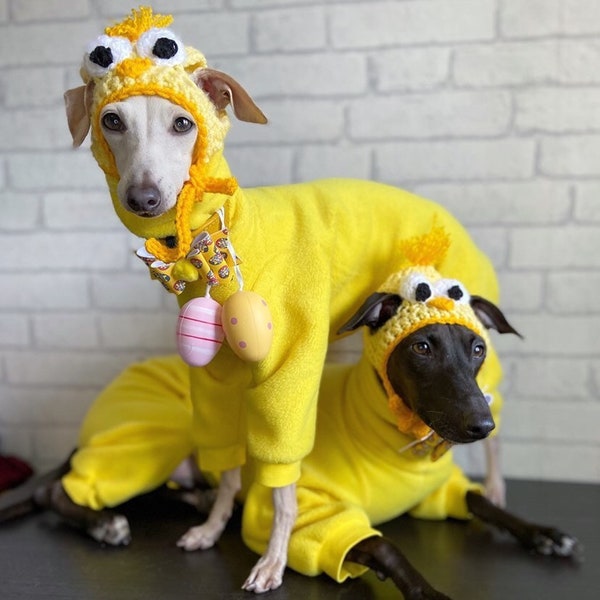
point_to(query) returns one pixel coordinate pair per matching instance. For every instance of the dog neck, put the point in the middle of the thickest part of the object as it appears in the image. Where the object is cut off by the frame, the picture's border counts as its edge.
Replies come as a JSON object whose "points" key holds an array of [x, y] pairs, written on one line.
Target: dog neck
{"points": [[369, 398]]}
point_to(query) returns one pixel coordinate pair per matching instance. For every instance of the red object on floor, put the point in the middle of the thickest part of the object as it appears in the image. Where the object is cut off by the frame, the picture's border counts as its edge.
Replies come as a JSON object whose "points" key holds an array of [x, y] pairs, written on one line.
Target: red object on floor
{"points": [[13, 471]]}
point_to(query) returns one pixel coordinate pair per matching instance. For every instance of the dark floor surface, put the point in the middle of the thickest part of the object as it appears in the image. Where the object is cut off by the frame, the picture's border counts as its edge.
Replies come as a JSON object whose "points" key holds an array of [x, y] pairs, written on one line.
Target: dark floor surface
{"points": [[41, 557]]}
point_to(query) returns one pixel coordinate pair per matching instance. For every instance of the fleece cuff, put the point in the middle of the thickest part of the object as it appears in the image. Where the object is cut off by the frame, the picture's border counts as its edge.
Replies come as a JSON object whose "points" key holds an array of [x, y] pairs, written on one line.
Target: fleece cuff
{"points": [[278, 475]]}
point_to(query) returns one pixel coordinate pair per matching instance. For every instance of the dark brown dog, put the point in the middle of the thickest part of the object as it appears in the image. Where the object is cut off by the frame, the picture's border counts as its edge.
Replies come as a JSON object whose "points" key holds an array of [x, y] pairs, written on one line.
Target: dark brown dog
{"points": [[433, 370]]}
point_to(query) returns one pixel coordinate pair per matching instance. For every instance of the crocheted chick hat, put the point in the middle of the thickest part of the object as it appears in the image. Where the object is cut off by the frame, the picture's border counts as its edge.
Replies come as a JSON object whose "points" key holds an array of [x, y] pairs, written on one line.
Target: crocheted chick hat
{"points": [[140, 56], [427, 298]]}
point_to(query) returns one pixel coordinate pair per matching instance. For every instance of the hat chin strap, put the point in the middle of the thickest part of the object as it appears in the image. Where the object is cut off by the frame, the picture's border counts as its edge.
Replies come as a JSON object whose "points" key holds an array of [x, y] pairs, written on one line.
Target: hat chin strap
{"points": [[193, 191], [407, 420], [426, 441]]}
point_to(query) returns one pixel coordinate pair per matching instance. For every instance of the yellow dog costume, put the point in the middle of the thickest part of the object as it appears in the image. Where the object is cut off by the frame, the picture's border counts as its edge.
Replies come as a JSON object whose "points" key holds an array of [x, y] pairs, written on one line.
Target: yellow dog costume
{"points": [[367, 465], [312, 250]]}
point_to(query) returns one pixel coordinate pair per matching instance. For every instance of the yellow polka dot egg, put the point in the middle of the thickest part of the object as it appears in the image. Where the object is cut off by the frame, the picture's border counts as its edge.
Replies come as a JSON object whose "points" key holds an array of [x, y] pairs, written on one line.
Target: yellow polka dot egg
{"points": [[248, 325]]}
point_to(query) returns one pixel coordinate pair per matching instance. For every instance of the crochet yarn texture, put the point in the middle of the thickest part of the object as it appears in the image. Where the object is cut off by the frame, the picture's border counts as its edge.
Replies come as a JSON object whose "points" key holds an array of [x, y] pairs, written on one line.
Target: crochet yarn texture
{"points": [[140, 57]]}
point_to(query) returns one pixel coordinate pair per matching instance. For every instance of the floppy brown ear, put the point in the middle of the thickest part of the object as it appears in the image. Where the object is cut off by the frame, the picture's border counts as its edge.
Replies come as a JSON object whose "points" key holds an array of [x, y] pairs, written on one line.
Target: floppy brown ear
{"points": [[224, 90], [78, 104], [491, 316]]}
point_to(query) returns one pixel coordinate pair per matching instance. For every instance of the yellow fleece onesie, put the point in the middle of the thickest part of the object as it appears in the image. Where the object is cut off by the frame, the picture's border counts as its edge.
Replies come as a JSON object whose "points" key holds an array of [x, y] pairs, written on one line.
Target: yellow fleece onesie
{"points": [[312, 250], [140, 428], [365, 468]]}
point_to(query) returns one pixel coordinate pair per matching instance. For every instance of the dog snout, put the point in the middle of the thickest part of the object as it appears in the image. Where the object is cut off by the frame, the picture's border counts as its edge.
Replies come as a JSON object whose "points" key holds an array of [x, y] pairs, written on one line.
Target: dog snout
{"points": [[478, 428], [144, 200]]}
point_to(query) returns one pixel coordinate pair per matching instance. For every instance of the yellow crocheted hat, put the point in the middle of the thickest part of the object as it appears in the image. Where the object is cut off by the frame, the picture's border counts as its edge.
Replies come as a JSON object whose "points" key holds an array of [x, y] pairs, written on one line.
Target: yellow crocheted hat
{"points": [[427, 298], [140, 56]]}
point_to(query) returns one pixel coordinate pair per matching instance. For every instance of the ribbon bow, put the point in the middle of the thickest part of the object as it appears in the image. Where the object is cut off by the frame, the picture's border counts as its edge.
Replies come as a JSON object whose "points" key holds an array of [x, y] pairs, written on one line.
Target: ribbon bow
{"points": [[210, 259]]}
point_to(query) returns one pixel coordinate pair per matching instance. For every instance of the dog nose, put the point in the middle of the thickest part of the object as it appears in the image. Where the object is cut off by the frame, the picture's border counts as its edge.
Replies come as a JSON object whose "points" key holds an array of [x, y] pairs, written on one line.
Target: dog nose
{"points": [[143, 199], [480, 428]]}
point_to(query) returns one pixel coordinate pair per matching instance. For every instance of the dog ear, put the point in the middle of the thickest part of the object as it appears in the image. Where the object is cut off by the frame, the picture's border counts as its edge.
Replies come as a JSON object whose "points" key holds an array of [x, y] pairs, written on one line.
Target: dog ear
{"points": [[491, 316], [78, 104], [375, 311], [224, 90]]}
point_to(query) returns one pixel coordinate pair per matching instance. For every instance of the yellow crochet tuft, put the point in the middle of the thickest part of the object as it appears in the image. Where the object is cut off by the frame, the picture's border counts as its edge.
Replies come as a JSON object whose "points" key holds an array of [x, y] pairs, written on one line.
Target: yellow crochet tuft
{"points": [[137, 23], [428, 249]]}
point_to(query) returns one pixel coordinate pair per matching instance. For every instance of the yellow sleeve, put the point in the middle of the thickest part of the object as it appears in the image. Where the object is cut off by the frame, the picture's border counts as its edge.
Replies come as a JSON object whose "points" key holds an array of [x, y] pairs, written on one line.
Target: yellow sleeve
{"points": [[282, 403]]}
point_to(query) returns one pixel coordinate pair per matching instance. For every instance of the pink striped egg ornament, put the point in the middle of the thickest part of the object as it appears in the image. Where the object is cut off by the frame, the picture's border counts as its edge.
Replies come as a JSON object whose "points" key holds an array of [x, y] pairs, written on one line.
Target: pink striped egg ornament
{"points": [[199, 331]]}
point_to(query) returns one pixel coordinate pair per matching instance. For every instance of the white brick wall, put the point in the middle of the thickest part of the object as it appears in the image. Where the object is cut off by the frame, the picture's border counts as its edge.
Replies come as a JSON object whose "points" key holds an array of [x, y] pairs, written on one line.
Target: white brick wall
{"points": [[491, 107]]}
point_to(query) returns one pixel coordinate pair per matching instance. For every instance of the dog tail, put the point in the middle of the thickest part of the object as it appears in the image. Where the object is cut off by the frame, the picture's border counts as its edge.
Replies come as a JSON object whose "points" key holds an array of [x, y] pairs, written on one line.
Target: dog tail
{"points": [[21, 500]]}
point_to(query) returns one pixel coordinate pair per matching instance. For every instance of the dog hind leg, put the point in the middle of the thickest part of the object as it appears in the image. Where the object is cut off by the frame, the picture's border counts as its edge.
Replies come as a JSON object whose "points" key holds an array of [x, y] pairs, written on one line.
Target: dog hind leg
{"points": [[540, 539], [382, 557], [495, 488], [20, 501], [103, 525]]}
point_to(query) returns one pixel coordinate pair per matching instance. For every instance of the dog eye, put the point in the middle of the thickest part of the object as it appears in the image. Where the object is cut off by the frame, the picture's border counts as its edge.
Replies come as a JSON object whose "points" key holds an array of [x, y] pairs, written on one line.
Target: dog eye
{"points": [[113, 122], [104, 53], [479, 351], [182, 124], [162, 46], [421, 348]]}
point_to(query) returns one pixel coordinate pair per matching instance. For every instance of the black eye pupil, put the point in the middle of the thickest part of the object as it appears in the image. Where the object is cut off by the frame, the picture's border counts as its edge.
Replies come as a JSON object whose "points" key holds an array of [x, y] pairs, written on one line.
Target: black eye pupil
{"points": [[455, 292], [182, 124], [101, 56], [165, 48], [421, 348], [113, 122], [422, 292]]}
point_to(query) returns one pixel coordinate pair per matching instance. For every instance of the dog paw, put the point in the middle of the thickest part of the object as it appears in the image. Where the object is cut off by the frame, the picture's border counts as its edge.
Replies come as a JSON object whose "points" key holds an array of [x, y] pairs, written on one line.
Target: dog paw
{"points": [[113, 530], [266, 575], [552, 542], [200, 537]]}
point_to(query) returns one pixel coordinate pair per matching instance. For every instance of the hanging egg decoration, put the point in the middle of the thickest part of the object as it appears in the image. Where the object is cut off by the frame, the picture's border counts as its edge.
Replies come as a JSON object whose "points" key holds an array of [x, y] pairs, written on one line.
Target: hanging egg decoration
{"points": [[248, 325], [199, 331]]}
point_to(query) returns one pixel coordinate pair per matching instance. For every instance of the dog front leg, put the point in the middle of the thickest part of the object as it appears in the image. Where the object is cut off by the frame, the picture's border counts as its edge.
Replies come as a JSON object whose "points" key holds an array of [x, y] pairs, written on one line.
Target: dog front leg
{"points": [[381, 556], [540, 539], [205, 536], [267, 574]]}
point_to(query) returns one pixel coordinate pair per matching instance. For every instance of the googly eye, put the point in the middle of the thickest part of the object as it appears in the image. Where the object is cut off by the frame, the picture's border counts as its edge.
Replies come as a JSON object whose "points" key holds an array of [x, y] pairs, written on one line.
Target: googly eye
{"points": [[450, 288], [416, 288], [104, 53], [162, 46]]}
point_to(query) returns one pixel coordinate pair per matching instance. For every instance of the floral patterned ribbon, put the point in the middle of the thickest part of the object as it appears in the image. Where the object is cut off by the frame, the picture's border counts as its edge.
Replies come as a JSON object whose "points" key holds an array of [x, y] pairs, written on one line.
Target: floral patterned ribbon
{"points": [[211, 254]]}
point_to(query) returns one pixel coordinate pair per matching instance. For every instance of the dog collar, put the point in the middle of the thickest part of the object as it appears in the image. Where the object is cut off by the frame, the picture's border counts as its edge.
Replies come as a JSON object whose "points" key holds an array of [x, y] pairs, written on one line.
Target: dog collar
{"points": [[193, 191]]}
